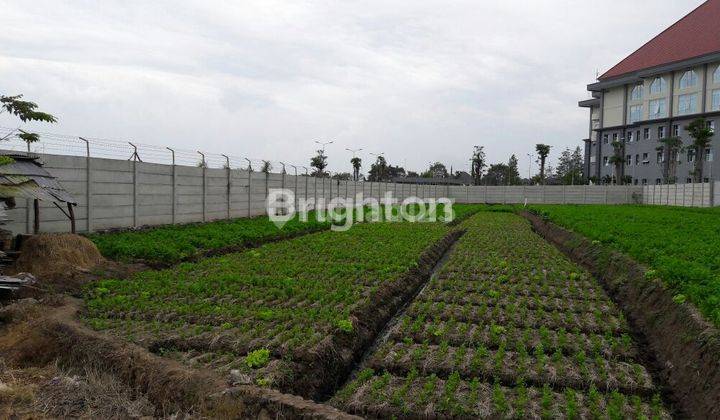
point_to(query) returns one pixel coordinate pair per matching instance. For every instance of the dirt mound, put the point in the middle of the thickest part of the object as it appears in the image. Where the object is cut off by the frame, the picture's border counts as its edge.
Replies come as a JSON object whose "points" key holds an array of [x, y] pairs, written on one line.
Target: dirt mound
{"points": [[53, 256]]}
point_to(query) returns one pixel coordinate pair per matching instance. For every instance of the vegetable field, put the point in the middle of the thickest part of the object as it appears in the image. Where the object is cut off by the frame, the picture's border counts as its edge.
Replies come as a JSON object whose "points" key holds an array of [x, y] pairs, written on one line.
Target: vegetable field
{"points": [[680, 245], [265, 311], [508, 328]]}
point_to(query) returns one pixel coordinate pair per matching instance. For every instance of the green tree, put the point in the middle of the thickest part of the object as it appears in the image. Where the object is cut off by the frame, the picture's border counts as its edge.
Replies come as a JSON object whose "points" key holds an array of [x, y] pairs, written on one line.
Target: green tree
{"points": [[570, 165], [497, 174], [26, 111], [513, 177], [543, 150], [356, 164], [319, 163], [701, 134], [342, 176], [436, 170], [478, 164], [671, 147], [378, 170], [617, 161]]}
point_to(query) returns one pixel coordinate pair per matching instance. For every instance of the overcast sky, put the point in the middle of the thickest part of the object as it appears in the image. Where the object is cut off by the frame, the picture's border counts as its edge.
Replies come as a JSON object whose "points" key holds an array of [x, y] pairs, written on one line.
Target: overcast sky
{"points": [[418, 80]]}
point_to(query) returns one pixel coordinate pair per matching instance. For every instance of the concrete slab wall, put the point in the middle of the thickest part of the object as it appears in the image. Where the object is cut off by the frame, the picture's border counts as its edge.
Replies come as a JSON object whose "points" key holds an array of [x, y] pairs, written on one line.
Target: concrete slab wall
{"points": [[685, 195], [119, 193]]}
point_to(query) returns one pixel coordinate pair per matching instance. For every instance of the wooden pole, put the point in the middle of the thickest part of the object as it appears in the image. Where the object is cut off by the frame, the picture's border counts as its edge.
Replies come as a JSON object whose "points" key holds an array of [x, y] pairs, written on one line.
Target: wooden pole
{"points": [[36, 222], [72, 217]]}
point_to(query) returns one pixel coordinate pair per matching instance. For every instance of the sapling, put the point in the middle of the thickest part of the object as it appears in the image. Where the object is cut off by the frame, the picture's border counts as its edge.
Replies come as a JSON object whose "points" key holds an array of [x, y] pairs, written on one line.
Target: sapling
{"points": [[500, 404], [571, 407]]}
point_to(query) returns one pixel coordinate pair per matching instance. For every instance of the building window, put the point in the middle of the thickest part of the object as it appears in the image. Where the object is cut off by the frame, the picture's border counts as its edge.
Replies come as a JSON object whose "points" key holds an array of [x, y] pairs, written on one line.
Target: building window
{"points": [[605, 160], [646, 133], [691, 155], [711, 126], [716, 75], [637, 159], [644, 181], [689, 180], [645, 159], [635, 113], [635, 181], [605, 139], [615, 137], [688, 79], [657, 108], [708, 155], [658, 85], [628, 160], [660, 157], [637, 135], [637, 93], [676, 130], [658, 181], [661, 132], [630, 136], [715, 102], [687, 104]]}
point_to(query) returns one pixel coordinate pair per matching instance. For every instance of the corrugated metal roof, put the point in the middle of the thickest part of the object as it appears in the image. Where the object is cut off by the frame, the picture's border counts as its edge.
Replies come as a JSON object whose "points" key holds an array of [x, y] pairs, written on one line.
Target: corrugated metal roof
{"points": [[25, 178]]}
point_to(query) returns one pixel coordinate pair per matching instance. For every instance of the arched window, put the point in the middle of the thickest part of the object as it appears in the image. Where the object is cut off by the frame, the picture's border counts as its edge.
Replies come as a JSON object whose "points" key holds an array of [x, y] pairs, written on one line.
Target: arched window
{"points": [[716, 75], [688, 79], [658, 85], [637, 93]]}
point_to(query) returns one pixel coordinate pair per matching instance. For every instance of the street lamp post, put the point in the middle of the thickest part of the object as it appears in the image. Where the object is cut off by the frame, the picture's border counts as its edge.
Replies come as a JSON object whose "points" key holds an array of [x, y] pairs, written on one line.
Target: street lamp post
{"points": [[530, 157]]}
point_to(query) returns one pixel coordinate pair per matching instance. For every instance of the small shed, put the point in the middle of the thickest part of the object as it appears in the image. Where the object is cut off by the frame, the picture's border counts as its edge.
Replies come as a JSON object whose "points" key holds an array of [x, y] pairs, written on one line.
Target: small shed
{"points": [[24, 177]]}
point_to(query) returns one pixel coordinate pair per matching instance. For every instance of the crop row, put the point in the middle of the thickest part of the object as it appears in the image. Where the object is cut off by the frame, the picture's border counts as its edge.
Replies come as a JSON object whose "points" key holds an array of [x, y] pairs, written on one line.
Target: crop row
{"points": [[511, 302], [385, 395], [597, 322], [456, 333], [172, 243], [499, 285], [241, 297], [509, 366]]}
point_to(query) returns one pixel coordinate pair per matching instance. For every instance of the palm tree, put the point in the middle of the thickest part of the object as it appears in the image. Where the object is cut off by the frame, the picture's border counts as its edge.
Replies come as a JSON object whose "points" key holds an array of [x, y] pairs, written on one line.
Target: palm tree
{"points": [[671, 148], [543, 150], [617, 161], [356, 164], [701, 134]]}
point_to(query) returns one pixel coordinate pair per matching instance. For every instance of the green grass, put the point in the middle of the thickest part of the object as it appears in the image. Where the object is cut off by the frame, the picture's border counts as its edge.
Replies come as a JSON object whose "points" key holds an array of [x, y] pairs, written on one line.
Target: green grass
{"points": [[680, 245]]}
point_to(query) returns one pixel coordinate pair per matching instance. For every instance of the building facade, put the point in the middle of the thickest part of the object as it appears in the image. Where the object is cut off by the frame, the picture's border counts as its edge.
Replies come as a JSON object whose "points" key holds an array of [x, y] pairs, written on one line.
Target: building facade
{"points": [[654, 94]]}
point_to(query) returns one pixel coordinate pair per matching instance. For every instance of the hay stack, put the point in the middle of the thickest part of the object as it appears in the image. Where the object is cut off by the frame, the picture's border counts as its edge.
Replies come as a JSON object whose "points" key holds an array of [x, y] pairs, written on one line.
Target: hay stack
{"points": [[57, 255]]}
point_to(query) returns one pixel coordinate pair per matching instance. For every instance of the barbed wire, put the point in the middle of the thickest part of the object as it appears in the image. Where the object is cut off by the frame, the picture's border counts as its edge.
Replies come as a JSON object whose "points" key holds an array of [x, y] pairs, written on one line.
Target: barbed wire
{"points": [[63, 144]]}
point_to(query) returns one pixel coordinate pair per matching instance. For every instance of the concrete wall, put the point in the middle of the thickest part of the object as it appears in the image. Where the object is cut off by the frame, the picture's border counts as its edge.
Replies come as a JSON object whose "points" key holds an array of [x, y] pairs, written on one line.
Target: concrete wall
{"points": [[686, 195], [120, 193]]}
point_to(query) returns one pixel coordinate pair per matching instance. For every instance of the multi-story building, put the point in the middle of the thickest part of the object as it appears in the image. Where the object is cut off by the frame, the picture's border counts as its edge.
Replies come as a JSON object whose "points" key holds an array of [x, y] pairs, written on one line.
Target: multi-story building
{"points": [[654, 93]]}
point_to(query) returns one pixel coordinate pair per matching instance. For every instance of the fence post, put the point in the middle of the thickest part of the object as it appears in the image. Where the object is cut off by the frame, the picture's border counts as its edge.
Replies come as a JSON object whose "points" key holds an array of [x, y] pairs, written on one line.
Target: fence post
{"points": [[172, 190], [564, 195], [702, 194], [135, 158], [692, 196], [88, 185], [229, 183], [606, 193], [712, 193]]}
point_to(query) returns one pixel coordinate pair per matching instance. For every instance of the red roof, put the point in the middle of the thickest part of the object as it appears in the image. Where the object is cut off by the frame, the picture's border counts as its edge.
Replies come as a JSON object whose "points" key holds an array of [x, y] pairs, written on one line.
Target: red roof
{"points": [[695, 35]]}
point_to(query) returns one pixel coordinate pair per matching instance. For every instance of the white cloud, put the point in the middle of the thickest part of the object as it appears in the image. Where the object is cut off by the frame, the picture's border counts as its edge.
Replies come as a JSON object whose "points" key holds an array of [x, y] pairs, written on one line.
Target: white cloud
{"points": [[420, 81]]}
